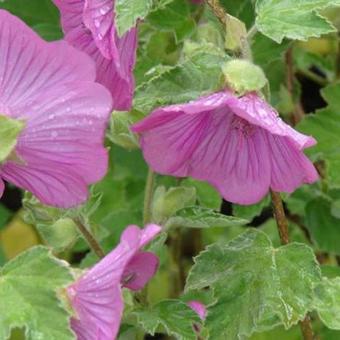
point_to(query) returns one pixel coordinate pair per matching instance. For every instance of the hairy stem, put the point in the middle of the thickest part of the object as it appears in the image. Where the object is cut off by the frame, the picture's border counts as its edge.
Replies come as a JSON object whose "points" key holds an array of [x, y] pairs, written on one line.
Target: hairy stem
{"points": [[218, 11], [90, 239], [148, 196], [282, 224]]}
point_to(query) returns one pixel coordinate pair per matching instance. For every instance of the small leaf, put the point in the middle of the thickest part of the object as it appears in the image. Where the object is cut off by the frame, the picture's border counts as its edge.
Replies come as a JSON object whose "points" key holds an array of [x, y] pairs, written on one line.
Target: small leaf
{"points": [[167, 202], [129, 11], [9, 132], [327, 302], [174, 315], [293, 19], [28, 299], [199, 217], [256, 286]]}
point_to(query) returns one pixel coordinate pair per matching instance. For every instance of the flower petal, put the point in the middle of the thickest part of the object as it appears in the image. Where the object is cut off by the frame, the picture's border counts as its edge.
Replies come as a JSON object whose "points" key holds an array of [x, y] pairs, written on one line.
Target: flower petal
{"points": [[290, 168], [61, 148], [141, 268], [96, 296], [99, 18], [114, 60], [198, 140], [256, 111], [29, 65], [199, 308]]}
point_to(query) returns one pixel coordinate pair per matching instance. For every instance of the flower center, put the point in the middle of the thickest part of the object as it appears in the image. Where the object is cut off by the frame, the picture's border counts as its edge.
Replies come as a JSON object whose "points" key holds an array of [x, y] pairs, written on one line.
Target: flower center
{"points": [[243, 126]]}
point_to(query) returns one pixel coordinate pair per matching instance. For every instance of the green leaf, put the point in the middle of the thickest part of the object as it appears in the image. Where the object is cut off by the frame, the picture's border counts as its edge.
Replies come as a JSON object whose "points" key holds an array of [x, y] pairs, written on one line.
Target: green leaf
{"points": [[325, 127], [174, 16], [174, 315], [198, 74], [256, 286], [9, 132], [33, 11], [129, 11], [167, 202], [327, 302], [324, 227], [199, 217], [293, 19], [28, 299]]}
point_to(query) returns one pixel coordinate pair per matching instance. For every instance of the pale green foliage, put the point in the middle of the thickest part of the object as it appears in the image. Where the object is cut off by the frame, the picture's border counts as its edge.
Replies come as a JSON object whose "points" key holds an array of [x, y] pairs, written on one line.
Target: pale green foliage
{"points": [[256, 286], [174, 315], [9, 132], [167, 202], [129, 11], [243, 76], [327, 302], [199, 217], [293, 19], [197, 74], [28, 286]]}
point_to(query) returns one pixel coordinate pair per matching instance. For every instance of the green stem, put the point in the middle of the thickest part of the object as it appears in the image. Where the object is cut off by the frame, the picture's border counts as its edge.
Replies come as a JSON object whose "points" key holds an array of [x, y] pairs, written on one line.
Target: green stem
{"points": [[90, 239], [282, 224], [251, 33], [148, 196]]}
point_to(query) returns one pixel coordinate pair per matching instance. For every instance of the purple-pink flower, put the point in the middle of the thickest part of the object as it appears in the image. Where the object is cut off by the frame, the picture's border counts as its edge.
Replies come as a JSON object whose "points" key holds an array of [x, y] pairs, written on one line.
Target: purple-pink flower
{"points": [[51, 88], [96, 296], [89, 25], [238, 144], [199, 308]]}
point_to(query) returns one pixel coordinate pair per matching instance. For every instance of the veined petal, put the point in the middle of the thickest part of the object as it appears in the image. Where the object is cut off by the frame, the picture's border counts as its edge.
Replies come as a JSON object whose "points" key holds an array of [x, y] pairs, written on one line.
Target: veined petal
{"points": [[199, 140], [99, 18], [96, 296], [141, 268], [199, 308], [290, 168], [256, 111]]}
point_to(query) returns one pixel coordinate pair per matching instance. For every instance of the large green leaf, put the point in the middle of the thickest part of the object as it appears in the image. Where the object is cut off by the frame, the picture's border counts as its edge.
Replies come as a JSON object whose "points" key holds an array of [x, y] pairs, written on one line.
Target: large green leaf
{"points": [[323, 226], [129, 11], [200, 217], [197, 74], [327, 302], [325, 127], [28, 298], [256, 285], [174, 315], [294, 19], [174, 16]]}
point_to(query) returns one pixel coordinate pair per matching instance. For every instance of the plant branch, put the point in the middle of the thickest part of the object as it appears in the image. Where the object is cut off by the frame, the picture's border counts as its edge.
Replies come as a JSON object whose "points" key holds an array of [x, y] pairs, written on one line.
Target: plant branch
{"points": [[148, 196], [90, 239], [218, 11], [282, 224]]}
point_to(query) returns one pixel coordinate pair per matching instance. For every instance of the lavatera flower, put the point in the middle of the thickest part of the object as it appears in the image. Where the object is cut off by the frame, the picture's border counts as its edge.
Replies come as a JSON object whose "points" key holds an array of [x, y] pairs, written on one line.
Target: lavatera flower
{"points": [[52, 116], [96, 297], [90, 26], [238, 144]]}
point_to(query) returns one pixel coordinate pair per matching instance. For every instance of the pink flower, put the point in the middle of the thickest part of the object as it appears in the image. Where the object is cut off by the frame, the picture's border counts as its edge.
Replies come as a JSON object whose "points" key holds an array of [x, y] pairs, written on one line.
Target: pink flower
{"points": [[89, 25], [199, 308], [238, 144], [96, 297], [51, 88]]}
